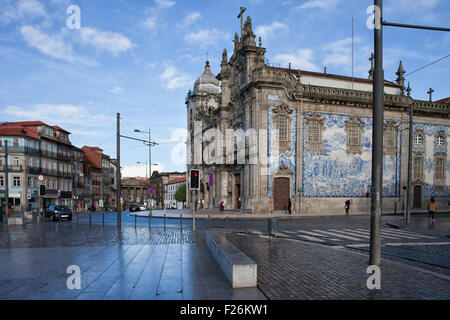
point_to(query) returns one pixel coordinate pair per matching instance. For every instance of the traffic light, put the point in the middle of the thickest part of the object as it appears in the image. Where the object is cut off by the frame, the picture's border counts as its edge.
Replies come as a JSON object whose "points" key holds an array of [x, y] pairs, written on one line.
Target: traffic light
{"points": [[195, 179], [42, 190]]}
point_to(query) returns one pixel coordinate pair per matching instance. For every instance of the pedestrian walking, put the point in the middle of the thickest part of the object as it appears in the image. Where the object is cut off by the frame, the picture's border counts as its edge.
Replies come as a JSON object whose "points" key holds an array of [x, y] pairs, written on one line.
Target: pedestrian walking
{"points": [[289, 206], [347, 207], [431, 208]]}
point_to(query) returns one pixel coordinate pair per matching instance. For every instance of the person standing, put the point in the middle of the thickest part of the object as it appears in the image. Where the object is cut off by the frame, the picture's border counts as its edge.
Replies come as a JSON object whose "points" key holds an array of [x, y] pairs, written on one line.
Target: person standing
{"points": [[347, 207], [432, 208], [289, 206]]}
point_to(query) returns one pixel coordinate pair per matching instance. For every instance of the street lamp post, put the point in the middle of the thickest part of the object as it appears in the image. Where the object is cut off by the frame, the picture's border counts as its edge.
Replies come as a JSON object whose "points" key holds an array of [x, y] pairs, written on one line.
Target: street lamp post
{"points": [[150, 145]]}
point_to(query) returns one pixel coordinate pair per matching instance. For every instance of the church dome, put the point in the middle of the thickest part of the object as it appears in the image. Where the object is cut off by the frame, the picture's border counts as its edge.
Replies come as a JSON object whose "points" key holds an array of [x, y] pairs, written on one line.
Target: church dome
{"points": [[207, 82]]}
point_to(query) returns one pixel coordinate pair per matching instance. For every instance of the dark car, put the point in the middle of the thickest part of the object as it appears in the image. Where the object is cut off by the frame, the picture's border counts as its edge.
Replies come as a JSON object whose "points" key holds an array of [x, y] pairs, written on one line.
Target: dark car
{"points": [[54, 213], [137, 207]]}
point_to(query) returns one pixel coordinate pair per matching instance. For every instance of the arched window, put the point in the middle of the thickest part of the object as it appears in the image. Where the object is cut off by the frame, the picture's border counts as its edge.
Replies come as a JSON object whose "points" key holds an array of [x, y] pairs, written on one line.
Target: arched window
{"points": [[440, 139], [418, 139]]}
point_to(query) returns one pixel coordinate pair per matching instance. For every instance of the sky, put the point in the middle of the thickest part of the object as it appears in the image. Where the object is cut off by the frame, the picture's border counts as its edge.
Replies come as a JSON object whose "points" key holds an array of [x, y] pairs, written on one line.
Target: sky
{"points": [[139, 58]]}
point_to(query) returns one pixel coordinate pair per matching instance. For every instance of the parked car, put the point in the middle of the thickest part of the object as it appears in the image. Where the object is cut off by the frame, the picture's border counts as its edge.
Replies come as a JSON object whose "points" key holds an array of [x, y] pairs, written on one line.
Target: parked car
{"points": [[54, 213], [137, 207]]}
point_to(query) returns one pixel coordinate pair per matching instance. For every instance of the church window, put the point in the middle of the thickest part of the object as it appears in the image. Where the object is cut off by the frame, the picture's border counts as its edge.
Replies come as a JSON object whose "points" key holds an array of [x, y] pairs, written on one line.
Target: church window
{"points": [[390, 138], [418, 139], [282, 128], [354, 128], [418, 167], [314, 128], [439, 167], [440, 139], [282, 120]]}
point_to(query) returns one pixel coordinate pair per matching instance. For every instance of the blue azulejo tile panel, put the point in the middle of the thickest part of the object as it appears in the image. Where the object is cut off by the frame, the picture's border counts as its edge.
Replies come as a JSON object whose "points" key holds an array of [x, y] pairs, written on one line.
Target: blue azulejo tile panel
{"points": [[275, 158], [335, 173], [430, 148]]}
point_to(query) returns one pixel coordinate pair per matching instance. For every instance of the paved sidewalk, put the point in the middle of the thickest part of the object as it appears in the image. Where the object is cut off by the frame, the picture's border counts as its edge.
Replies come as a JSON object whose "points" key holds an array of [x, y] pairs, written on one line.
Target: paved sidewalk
{"points": [[130, 264], [233, 214], [293, 269]]}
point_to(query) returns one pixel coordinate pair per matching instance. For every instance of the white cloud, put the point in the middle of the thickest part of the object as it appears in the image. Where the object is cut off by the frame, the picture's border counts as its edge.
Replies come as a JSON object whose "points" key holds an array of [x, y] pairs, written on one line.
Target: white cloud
{"points": [[15, 10], [165, 4], [52, 46], [66, 115], [190, 19], [319, 4], [205, 37], [139, 170], [173, 78], [116, 90], [272, 30], [31, 8], [302, 59], [339, 53], [152, 22], [105, 40]]}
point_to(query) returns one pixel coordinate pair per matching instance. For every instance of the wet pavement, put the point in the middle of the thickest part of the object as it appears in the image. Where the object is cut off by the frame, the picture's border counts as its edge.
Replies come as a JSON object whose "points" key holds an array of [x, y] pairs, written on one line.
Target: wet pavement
{"points": [[312, 258], [294, 269], [131, 264]]}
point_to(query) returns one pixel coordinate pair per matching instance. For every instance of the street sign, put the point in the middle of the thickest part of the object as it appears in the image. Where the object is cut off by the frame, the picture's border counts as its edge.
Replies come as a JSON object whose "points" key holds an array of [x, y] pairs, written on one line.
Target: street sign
{"points": [[151, 191], [40, 178]]}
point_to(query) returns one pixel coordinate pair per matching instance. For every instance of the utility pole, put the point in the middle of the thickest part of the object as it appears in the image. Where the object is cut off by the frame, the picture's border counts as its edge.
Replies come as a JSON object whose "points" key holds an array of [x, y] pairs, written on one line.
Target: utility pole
{"points": [[150, 169], [6, 181], [377, 139], [119, 215], [410, 142], [430, 92]]}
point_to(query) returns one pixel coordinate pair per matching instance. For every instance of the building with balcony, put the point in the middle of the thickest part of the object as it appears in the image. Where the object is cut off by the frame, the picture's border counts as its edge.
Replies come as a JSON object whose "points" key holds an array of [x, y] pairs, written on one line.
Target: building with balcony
{"points": [[170, 189], [157, 182], [23, 165], [97, 178], [38, 148], [78, 179]]}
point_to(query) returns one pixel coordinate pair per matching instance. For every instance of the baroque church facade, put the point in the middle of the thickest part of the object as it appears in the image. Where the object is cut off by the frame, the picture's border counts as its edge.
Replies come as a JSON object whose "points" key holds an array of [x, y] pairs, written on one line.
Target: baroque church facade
{"points": [[324, 129]]}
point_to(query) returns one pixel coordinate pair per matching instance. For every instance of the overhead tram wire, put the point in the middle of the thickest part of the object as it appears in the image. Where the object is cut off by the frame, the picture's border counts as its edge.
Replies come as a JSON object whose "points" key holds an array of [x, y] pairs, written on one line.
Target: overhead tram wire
{"points": [[429, 64]]}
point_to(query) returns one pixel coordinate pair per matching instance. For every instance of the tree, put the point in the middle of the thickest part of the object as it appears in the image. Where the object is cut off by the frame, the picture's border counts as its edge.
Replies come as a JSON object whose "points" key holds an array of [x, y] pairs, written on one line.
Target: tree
{"points": [[180, 194]]}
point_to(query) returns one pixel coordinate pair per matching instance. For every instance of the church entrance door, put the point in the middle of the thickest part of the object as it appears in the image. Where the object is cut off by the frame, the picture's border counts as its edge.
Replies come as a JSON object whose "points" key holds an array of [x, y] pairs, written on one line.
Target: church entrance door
{"points": [[281, 194], [417, 196], [237, 191]]}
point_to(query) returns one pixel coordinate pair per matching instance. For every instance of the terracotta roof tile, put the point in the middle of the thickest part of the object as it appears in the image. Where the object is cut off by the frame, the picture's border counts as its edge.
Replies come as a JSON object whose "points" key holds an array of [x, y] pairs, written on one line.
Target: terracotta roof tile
{"points": [[176, 180]]}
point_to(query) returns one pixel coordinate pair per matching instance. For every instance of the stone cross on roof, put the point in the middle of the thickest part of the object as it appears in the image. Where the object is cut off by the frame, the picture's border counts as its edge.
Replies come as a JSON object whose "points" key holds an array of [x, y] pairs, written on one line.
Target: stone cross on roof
{"points": [[241, 16], [430, 92], [372, 57]]}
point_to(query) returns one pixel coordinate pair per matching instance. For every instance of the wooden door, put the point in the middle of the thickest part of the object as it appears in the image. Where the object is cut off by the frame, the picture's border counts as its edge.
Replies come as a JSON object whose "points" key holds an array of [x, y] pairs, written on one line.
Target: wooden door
{"points": [[281, 193], [237, 191], [417, 196]]}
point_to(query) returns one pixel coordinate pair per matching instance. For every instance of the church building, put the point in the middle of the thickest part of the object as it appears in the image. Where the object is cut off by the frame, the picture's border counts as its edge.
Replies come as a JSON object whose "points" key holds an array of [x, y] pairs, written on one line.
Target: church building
{"points": [[322, 156]]}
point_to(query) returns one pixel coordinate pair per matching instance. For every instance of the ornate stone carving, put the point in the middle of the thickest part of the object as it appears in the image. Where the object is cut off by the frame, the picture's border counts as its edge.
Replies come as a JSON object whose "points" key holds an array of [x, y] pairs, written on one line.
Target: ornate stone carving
{"points": [[283, 170]]}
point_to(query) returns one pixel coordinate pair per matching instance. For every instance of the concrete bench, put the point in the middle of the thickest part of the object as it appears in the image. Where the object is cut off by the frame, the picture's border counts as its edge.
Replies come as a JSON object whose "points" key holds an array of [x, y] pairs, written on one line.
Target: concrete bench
{"points": [[15, 220], [239, 269]]}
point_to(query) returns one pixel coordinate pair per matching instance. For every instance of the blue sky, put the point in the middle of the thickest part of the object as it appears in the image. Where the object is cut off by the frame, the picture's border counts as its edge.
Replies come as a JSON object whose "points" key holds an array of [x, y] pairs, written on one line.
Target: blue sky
{"points": [[140, 57]]}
